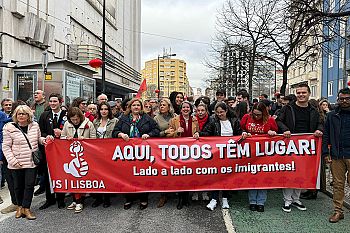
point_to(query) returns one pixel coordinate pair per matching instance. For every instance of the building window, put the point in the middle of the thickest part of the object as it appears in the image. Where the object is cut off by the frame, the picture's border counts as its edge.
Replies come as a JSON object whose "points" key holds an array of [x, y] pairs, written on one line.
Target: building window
{"points": [[314, 90], [341, 57], [340, 84], [330, 88], [330, 60]]}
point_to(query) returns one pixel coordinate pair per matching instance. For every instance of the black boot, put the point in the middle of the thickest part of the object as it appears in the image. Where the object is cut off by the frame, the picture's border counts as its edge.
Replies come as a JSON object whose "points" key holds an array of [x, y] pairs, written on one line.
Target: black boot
{"points": [[180, 203]]}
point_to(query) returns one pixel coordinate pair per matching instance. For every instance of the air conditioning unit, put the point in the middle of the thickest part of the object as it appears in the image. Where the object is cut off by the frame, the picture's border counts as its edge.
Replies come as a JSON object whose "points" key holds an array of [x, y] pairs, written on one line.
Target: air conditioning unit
{"points": [[49, 35], [40, 30], [29, 25], [18, 8]]}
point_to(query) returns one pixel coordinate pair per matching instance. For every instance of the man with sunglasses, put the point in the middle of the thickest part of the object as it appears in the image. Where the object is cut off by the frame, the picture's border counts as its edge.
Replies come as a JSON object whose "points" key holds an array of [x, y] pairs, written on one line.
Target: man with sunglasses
{"points": [[298, 117], [336, 150]]}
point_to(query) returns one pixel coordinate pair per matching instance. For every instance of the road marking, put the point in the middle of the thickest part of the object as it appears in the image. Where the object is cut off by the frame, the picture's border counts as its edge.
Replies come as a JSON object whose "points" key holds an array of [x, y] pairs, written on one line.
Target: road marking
{"points": [[228, 221]]}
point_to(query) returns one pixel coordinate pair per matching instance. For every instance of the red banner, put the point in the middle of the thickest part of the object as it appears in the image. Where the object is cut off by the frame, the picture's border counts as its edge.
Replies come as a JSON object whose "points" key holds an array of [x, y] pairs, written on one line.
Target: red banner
{"points": [[183, 164]]}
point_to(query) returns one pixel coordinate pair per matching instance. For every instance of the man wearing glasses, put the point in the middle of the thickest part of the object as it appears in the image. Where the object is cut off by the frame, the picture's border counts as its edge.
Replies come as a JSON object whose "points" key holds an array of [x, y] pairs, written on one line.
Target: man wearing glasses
{"points": [[336, 150]]}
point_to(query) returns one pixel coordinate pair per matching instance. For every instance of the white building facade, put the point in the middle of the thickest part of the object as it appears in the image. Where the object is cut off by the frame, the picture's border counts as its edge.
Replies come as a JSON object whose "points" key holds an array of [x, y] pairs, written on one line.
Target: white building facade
{"points": [[69, 31]]}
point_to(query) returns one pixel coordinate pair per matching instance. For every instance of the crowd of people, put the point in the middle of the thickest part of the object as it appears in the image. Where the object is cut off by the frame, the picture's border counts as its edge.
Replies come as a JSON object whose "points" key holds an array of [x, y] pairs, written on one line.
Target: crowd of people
{"points": [[25, 129]]}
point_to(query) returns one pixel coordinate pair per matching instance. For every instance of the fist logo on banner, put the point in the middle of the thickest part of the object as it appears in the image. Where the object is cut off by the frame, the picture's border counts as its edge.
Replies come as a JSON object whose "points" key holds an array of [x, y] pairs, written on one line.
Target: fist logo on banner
{"points": [[78, 167]]}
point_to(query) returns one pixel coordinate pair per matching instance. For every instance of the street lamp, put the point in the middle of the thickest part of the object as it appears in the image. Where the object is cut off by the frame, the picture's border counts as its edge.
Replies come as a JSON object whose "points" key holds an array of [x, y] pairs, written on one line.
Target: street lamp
{"points": [[158, 80]]}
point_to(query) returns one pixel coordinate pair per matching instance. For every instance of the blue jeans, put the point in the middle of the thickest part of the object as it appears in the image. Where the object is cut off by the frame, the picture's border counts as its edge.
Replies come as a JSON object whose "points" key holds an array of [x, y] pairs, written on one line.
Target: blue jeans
{"points": [[257, 196]]}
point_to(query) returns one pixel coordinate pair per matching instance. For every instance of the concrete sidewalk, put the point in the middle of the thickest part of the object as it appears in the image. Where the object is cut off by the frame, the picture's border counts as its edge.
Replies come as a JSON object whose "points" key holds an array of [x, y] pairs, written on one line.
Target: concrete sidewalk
{"points": [[274, 219]]}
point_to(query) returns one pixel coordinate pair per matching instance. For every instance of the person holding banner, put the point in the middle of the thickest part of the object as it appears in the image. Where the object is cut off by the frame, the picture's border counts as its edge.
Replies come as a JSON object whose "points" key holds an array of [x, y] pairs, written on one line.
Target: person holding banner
{"points": [[184, 125], [298, 117], [258, 121], [79, 127], [166, 113], [104, 125], [224, 123], [135, 124], [20, 138]]}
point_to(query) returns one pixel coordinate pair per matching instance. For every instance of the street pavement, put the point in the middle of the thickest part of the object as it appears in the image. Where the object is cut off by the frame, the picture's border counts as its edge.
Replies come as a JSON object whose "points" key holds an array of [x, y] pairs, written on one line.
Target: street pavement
{"points": [[168, 219], [115, 219]]}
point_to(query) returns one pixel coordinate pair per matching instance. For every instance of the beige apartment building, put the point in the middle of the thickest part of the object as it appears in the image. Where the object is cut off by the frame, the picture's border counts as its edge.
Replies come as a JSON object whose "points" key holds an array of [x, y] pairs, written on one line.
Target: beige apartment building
{"points": [[172, 77]]}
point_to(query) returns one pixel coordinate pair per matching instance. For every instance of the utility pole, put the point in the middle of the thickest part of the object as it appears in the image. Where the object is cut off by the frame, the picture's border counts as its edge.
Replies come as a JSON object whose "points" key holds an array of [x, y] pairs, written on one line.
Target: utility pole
{"points": [[104, 47]]}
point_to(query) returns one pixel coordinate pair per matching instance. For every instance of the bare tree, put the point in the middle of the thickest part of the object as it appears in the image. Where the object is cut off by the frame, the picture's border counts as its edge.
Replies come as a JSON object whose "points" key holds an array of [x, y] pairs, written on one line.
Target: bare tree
{"points": [[283, 31]]}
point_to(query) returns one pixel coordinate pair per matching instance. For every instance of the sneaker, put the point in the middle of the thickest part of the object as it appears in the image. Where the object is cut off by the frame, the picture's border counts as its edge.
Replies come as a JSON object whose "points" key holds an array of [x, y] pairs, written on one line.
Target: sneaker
{"points": [[72, 206], [205, 196], [212, 205], [299, 206], [78, 208], [286, 208], [225, 204], [9, 209], [195, 196], [1, 201]]}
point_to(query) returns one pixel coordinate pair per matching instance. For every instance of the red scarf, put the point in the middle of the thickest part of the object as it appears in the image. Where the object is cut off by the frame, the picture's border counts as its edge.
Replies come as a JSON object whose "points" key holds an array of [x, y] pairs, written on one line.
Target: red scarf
{"points": [[202, 121], [187, 131]]}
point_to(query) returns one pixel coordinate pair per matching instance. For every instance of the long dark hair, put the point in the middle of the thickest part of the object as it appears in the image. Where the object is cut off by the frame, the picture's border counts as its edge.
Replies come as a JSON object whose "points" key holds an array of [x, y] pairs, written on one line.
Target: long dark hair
{"points": [[263, 109], [225, 107], [110, 114]]}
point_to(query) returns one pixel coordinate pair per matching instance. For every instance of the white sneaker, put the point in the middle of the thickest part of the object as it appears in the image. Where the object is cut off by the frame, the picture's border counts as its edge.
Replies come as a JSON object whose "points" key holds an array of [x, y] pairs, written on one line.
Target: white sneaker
{"points": [[195, 196], [205, 196], [78, 208], [71, 206], [212, 205], [225, 204]]}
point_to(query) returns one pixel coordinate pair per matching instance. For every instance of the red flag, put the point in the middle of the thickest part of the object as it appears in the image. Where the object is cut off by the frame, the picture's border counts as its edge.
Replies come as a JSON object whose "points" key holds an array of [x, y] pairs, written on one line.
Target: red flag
{"points": [[143, 88]]}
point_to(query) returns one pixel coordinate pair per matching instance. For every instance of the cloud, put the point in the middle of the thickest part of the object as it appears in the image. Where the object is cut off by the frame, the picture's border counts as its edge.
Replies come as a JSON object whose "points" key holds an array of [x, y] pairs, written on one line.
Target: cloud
{"points": [[188, 20]]}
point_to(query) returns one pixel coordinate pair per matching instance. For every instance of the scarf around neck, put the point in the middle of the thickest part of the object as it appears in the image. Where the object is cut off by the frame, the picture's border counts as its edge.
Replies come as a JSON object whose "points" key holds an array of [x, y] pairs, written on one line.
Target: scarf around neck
{"points": [[202, 121], [134, 131], [187, 130]]}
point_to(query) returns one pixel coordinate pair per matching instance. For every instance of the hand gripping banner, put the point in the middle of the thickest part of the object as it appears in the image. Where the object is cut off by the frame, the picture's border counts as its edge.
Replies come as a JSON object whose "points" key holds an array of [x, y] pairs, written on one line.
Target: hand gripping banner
{"points": [[183, 164]]}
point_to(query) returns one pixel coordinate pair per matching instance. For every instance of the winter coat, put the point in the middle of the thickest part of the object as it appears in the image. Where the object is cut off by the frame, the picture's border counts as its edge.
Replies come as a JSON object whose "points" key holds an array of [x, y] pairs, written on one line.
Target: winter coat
{"points": [[85, 130], [15, 146], [175, 124], [214, 127], [146, 125], [109, 127], [331, 135], [286, 119]]}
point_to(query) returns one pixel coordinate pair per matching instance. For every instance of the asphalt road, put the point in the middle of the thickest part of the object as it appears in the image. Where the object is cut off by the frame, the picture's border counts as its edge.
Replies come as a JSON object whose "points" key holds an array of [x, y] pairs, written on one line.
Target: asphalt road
{"points": [[115, 219]]}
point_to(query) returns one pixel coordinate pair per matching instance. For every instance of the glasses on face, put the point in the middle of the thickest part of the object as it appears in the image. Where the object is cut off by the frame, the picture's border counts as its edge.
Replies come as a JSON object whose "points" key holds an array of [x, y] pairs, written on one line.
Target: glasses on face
{"points": [[22, 114], [84, 103], [257, 114], [341, 99]]}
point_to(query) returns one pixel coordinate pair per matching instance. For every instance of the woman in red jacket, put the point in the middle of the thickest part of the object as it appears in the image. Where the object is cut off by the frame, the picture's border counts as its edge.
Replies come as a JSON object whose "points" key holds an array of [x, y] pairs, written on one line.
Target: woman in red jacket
{"points": [[258, 121]]}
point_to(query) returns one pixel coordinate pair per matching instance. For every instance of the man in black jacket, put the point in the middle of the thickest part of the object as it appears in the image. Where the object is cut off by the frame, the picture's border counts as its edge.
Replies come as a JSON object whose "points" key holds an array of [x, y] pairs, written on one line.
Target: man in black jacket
{"points": [[336, 150], [51, 123], [298, 117]]}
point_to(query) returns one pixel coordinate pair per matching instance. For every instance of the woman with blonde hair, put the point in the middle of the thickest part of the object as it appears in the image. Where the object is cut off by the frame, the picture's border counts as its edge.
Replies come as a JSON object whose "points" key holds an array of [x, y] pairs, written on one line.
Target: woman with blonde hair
{"points": [[20, 138], [135, 124], [166, 113]]}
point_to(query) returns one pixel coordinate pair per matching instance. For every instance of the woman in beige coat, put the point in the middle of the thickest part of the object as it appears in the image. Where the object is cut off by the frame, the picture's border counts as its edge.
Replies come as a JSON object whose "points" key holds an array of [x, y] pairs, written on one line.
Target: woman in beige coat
{"points": [[184, 125], [79, 127], [19, 156]]}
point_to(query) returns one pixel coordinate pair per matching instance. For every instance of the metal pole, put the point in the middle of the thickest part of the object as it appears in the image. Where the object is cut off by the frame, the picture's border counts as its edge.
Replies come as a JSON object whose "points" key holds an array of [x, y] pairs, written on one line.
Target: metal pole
{"points": [[158, 81], [275, 76], [104, 47]]}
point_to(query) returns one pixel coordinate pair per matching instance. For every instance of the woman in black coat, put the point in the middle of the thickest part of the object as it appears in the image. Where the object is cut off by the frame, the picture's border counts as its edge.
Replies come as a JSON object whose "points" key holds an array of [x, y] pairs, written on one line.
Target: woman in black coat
{"points": [[135, 124]]}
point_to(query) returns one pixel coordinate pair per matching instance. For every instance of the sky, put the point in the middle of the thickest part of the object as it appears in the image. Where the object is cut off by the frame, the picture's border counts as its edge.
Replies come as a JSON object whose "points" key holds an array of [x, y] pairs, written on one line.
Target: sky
{"points": [[192, 20]]}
